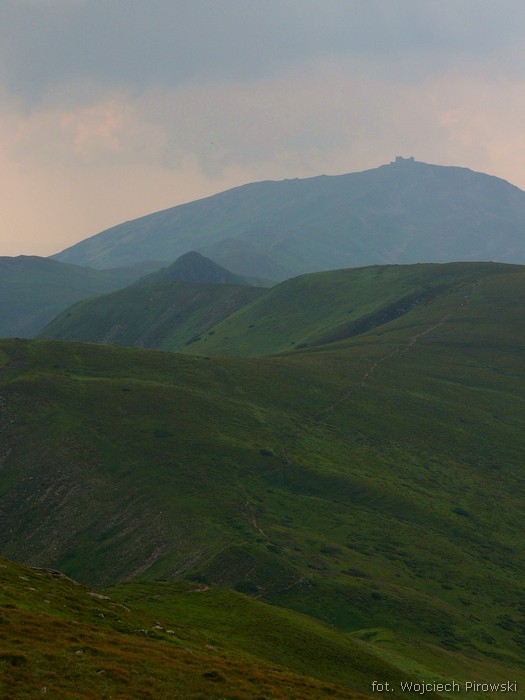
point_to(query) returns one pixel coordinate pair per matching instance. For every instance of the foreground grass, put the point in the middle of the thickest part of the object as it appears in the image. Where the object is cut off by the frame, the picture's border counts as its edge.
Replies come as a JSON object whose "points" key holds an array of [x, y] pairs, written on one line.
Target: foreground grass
{"points": [[62, 640], [186, 640]]}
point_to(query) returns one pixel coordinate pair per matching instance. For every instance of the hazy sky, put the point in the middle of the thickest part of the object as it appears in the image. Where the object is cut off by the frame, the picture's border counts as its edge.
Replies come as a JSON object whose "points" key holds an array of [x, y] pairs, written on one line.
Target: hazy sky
{"points": [[110, 109]]}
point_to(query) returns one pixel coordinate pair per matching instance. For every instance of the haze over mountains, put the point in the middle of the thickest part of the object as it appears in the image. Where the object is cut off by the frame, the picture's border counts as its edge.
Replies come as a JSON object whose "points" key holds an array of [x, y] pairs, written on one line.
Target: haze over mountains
{"points": [[404, 212], [399, 213], [33, 290]]}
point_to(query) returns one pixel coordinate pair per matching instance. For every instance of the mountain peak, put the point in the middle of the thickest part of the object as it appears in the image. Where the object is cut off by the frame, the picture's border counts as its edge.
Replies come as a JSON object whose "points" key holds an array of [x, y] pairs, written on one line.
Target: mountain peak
{"points": [[404, 212], [192, 255], [193, 267]]}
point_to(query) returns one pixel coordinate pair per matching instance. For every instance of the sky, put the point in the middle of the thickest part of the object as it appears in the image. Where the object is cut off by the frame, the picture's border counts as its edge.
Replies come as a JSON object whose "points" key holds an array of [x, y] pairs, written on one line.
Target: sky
{"points": [[113, 109]]}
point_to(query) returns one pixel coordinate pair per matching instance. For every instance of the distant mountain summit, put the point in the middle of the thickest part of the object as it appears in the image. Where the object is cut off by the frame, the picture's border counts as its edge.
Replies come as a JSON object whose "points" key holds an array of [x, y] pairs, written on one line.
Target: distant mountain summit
{"points": [[192, 267], [403, 212], [167, 309]]}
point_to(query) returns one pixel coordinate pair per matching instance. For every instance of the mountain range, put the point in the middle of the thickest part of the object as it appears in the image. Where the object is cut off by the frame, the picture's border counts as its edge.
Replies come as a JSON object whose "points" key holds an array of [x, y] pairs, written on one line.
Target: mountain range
{"points": [[322, 488], [404, 212]]}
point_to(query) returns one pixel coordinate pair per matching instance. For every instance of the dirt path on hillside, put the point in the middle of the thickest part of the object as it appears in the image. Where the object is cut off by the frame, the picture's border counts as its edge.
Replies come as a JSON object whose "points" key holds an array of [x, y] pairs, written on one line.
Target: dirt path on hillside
{"points": [[308, 421], [248, 510]]}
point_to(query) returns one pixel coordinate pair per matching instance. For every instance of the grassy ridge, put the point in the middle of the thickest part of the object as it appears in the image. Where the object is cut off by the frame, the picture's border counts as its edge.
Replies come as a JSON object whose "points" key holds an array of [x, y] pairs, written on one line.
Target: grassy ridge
{"points": [[325, 307], [306, 311], [302, 644], [168, 315]]}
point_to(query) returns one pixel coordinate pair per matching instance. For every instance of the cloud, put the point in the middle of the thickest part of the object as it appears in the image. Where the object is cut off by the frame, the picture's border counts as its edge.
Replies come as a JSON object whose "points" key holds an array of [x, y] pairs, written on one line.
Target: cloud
{"points": [[112, 109], [106, 133], [330, 116], [72, 50]]}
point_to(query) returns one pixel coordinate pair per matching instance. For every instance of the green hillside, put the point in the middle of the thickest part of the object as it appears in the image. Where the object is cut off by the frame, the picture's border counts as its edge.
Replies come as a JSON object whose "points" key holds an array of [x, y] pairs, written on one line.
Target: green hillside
{"points": [[162, 641], [306, 311], [168, 315], [34, 290], [325, 307], [375, 482], [404, 212]]}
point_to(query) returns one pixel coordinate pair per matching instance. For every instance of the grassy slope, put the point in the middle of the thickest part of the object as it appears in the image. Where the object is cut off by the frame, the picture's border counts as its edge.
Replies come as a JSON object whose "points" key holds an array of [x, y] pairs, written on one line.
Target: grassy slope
{"points": [[166, 640], [329, 306], [167, 315], [391, 500], [63, 640], [33, 290], [300, 643]]}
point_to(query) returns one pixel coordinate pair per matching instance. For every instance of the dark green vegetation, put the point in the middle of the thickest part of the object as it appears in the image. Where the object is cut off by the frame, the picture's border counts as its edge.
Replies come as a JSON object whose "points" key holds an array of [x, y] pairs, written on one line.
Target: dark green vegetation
{"points": [[34, 290], [405, 212], [373, 480], [168, 315]]}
